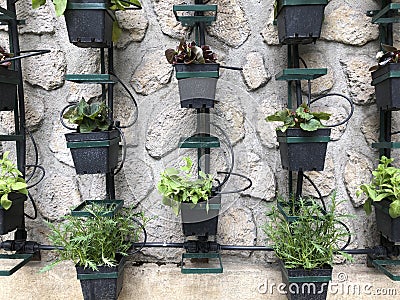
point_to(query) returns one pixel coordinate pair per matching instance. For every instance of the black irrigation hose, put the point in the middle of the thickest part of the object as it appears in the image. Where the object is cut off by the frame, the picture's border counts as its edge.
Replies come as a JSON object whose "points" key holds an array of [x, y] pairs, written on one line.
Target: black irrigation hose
{"points": [[339, 95], [62, 119], [36, 154], [34, 52], [230, 147], [41, 178], [231, 68], [317, 190], [142, 245], [133, 100], [123, 151], [239, 190], [34, 208]]}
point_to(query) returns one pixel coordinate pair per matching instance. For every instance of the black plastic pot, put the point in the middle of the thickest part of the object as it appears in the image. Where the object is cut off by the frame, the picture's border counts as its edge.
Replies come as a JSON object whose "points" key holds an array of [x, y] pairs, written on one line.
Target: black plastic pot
{"points": [[89, 23], [301, 284], [303, 150], [104, 284], [387, 86], [386, 225], [13, 217], [196, 221], [8, 89], [300, 21], [94, 152], [197, 84]]}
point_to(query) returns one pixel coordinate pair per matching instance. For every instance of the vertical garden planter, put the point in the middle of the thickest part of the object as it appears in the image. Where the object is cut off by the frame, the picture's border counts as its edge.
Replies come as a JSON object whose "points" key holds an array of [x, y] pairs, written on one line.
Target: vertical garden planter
{"points": [[13, 217], [8, 88], [387, 86], [89, 23], [388, 226], [301, 284], [303, 150], [197, 221], [197, 84], [94, 152], [299, 21], [104, 284]]}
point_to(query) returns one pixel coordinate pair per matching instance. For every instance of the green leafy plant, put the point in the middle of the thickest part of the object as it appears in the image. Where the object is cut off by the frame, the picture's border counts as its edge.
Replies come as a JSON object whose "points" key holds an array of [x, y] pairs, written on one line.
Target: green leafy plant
{"points": [[178, 185], [312, 240], [189, 53], [302, 118], [389, 55], [92, 116], [11, 180], [385, 184], [97, 240]]}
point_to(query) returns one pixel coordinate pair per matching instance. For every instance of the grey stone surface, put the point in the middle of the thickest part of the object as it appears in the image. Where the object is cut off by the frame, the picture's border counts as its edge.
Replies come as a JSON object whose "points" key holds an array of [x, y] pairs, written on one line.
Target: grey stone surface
{"points": [[152, 74], [134, 25], [38, 21], [348, 26], [357, 171], [254, 71], [359, 79]]}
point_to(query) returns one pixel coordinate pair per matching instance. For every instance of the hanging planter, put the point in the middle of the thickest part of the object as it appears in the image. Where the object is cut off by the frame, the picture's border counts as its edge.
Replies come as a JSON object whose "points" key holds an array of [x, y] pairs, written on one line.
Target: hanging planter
{"points": [[89, 23], [306, 284], [8, 88], [385, 224], [13, 217], [303, 150], [387, 86], [299, 21], [103, 284], [199, 220], [94, 152], [197, 84]]}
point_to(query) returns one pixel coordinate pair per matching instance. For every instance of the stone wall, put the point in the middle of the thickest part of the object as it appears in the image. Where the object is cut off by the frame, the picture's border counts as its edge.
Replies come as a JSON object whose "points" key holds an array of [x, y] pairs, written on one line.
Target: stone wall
{"points": [[243, 35]]}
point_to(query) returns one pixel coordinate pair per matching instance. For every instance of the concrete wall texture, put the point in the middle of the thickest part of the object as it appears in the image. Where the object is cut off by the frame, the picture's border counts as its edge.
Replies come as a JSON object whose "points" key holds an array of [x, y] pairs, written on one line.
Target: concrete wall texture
{"points": [[243, 35]]}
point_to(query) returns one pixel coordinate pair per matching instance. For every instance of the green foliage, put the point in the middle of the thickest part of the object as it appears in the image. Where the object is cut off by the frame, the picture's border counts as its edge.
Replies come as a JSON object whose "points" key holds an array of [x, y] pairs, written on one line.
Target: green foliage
{"points": [[312, 239], [10, 181], [390, 55], [177, 186], [385, 184], [95, 241], [89, 116], [189, 53], [302, 118], [61, 5]]}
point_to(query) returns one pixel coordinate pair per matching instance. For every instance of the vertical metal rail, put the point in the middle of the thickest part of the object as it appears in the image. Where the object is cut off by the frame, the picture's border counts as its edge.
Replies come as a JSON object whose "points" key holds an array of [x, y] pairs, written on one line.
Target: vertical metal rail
{"points": [[19, 111]]}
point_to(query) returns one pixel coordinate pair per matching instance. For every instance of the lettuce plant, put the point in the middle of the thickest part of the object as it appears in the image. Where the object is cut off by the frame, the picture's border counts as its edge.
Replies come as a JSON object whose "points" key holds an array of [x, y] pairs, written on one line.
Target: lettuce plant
{"points": [[177, 186], [302, 118], [189, 53]]}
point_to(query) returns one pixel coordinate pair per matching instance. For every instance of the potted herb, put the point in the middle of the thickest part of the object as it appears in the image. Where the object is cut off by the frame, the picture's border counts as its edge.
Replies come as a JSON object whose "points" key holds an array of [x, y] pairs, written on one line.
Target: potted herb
{"points": [[196, 199], [383, 193], [306, 247], [98, 246], [8, 83], [94, 147], [386, 78], [197, 73], [90, 23], [299, 21], [13, 193], [302, 138]]}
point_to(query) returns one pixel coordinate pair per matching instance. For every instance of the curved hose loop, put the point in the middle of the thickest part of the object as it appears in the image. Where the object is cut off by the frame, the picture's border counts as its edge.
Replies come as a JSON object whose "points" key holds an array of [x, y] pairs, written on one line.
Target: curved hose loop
{"points": [[34, 208], [62, 119], [144, 235], [230, 147], [240, 190], [317, 190], [339, 95], [123, 150], [35, 148], [133, 100], [41, 178]]}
